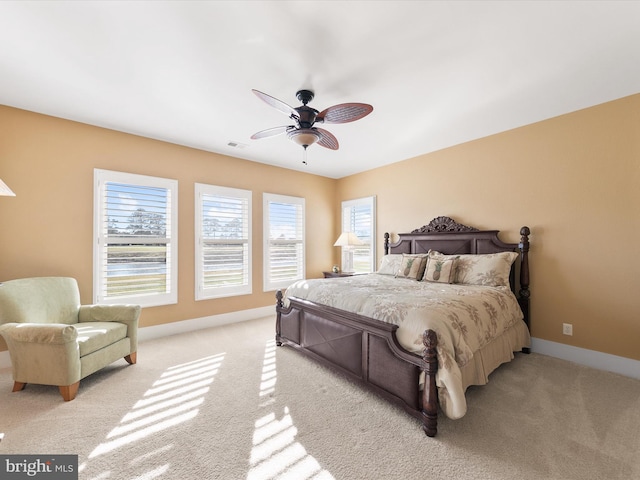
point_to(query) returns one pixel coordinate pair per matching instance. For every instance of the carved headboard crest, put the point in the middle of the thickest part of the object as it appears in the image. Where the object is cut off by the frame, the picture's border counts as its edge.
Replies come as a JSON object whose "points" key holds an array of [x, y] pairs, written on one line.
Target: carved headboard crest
{"points": [[444, 224]]}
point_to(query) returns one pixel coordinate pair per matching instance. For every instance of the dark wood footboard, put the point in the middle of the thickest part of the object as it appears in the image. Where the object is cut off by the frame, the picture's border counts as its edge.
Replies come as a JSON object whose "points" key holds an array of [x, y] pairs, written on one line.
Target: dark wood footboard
{"points": [[366, 351]]}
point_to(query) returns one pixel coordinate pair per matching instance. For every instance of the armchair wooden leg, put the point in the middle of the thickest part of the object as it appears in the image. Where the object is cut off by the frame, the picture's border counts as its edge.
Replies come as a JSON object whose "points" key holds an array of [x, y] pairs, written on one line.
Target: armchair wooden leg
{"points": [[17, 386], [132, 358], [69, 392]]}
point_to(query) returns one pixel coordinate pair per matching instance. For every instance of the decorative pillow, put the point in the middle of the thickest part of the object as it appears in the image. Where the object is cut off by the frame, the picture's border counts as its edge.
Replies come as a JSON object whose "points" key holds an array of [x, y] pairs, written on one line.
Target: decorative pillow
{"points": [[441, 270], [491, 269], [390, 264], [412, 266]]}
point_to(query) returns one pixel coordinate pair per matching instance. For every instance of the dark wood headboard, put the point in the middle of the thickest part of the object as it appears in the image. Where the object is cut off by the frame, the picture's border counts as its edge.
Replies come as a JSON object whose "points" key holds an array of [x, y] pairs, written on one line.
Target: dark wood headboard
{"points": [[449, 237]]}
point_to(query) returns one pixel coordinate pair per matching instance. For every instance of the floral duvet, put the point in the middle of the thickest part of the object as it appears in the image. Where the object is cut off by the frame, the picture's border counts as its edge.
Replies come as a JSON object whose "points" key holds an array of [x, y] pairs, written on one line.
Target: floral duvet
{"points": [[465, 318]]}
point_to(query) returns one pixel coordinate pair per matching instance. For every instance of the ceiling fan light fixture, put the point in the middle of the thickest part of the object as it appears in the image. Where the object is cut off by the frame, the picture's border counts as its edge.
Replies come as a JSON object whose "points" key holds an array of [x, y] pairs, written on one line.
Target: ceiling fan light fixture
{"points": [[304, 136]]}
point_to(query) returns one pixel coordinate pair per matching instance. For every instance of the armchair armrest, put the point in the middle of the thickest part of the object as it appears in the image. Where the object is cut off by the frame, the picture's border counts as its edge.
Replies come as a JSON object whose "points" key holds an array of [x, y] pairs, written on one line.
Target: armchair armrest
{"points": [[39, 333], [45, 353], [128, 314]]}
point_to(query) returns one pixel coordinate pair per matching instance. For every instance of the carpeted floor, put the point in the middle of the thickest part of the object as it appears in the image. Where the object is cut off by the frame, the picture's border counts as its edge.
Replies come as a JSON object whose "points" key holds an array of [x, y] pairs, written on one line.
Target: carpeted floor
{"points": [[225, 403]]}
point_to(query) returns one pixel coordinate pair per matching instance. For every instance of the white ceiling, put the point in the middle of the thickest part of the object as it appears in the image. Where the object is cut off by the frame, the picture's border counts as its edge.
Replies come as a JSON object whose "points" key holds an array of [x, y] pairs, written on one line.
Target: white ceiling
{"points": [[437, 73]]}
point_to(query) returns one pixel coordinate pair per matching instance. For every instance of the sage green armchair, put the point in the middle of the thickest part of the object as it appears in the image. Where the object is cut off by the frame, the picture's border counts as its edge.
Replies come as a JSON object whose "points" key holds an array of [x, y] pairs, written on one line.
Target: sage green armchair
{"points": [[53, 340]]}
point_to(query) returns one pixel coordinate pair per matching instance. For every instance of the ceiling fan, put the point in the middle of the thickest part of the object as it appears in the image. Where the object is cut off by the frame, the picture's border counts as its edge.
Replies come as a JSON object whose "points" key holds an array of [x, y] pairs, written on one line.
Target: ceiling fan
{"points": [[303, 132]]}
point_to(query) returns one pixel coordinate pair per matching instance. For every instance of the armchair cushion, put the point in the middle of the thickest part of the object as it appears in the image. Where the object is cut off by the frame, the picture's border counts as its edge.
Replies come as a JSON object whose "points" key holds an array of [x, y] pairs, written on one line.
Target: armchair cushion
{"points": [[96, 335], [125, 314]]}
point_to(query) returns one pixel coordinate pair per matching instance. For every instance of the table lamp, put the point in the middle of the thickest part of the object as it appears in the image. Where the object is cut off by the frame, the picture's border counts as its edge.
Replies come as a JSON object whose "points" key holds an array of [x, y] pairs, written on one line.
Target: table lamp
{"points": [[347, 240]]}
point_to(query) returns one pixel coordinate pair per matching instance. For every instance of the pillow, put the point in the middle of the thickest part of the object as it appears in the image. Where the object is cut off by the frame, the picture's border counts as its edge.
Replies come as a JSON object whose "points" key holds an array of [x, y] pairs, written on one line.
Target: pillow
{"points": [[390, 264], [412, 266], [491, 269], [440, 270]]}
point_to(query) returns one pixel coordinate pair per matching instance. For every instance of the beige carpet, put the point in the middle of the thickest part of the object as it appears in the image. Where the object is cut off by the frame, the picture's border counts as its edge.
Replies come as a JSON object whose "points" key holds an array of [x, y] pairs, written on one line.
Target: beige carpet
{"points": [[225, 403]]}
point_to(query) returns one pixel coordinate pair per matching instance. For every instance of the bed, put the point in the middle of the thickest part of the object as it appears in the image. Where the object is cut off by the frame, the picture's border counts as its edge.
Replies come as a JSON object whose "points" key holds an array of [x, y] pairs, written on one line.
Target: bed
{"points": [[450, 332]]}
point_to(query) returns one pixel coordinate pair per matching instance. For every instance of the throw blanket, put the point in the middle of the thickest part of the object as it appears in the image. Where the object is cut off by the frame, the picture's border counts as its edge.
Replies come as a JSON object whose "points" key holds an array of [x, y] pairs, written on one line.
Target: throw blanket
{"points": [[465, 318]]}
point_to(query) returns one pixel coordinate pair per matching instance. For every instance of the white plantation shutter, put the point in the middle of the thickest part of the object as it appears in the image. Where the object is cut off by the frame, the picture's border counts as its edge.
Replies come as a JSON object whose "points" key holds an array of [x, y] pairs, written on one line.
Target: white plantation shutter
{"points": [[358, 216], [135, 239], [284, 249], [223, 241]]}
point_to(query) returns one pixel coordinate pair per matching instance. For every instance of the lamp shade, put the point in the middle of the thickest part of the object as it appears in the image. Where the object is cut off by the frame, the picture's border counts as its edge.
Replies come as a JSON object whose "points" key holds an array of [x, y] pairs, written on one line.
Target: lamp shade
{"points": [[348, 239], [5, 190]]}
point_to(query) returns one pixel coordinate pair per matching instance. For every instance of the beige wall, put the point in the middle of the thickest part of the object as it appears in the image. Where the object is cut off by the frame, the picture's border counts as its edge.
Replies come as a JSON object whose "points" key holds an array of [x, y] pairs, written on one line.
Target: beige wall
{"points": [[575, 181], [47, 229]]}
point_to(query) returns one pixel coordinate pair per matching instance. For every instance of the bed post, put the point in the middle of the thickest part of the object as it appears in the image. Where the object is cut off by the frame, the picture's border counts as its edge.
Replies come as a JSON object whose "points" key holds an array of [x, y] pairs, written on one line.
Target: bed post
{"points": [[523, 294], [279, 306], [430, 390], [386, 243]]}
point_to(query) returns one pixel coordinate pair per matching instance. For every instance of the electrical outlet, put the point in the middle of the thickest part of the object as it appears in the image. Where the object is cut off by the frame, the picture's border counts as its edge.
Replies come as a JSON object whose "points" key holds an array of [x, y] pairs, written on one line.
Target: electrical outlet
{"points": [[567, 329]]}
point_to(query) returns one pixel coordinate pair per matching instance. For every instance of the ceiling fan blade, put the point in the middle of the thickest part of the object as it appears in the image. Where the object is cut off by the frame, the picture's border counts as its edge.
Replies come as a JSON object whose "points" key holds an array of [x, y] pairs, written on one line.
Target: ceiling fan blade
{"points": [[277, 104], [327, 139], [270, 132], [344, 113]]}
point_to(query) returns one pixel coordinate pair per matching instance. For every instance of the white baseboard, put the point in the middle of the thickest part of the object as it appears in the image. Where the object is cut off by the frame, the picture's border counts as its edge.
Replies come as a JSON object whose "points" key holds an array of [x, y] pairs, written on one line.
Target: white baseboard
{"points": [[173, 328], [590, 358]]}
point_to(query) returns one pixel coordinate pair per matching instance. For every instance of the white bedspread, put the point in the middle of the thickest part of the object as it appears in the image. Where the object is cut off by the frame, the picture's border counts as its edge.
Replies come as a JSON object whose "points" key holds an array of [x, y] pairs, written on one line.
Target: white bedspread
{"points": [[465, 318]]}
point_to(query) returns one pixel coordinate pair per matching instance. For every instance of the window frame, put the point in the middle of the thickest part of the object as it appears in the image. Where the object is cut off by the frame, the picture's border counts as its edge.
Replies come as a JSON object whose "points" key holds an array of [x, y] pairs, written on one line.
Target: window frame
{"points": [[348, 226], [268, 198], [101, 179], [202, 293]]}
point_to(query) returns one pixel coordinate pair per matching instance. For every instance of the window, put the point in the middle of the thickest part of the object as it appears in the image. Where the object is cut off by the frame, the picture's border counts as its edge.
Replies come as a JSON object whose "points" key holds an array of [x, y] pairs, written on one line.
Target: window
{"points": [[223, 241], [135, 239], [359, 217], [284, 261]]}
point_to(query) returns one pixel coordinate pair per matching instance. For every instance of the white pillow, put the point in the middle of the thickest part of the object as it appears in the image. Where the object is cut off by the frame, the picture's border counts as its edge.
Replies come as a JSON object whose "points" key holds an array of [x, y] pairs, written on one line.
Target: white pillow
{"points": [[390, 264]]}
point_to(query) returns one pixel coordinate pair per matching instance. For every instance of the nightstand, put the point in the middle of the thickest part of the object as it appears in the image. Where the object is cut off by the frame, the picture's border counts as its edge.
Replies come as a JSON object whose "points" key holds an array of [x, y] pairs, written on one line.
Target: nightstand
{"points": [[338, 274]]}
